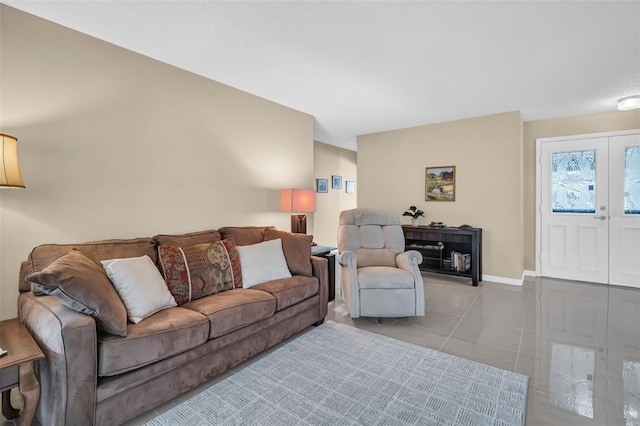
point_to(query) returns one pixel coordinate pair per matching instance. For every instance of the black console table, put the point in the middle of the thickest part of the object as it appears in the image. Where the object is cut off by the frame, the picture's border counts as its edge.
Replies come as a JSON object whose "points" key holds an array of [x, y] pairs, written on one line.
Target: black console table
{"points": [[438, 244]]}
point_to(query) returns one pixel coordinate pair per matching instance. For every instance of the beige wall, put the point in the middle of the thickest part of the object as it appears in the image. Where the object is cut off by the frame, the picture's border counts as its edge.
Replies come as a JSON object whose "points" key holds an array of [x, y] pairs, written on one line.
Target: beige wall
{"points": [[579, 125], [487, 153], [384, 161], [330, 160], [113, 144]]}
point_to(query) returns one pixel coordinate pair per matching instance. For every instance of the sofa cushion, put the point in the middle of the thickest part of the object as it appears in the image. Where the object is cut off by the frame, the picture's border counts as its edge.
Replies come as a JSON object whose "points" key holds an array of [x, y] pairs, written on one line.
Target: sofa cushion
{"points": [[290, 291], [190, 239], [262, 262], [297, 250], [200, 270], [43, 255], [163, 334], [245, 235], [83, 286], [234, 309], [139, 285]]}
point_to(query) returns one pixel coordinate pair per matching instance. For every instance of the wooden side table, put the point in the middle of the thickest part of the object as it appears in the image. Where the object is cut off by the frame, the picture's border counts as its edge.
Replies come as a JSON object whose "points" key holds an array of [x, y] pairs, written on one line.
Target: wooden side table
{"points": [[325, 252], [16, 369]]}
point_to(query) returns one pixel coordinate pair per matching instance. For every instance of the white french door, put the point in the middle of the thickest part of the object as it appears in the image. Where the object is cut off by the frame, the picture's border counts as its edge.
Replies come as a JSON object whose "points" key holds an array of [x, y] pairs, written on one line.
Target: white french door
{"points": [[589, 198], [575, 232], [624, 213]]}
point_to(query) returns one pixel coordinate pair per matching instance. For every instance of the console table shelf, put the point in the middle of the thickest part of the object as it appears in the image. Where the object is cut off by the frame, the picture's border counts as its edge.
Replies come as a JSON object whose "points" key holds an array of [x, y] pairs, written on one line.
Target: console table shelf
{"points": [[437, 245]]}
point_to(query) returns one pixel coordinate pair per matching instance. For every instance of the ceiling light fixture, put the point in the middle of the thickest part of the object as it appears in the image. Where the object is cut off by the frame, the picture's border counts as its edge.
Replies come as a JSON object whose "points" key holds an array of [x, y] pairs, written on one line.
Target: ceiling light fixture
{"points": [[629, 102]]}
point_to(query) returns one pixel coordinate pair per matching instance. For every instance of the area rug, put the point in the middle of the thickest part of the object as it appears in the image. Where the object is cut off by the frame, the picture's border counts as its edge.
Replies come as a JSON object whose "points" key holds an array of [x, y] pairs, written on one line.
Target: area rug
{"points": [[339, 375]]}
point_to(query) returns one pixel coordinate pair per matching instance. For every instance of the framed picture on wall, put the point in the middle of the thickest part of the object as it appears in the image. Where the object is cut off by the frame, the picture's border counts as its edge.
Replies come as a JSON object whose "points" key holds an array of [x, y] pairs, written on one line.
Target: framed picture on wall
{"points": [[322, 185], [440, 183], [336, 182], [350, 187]]}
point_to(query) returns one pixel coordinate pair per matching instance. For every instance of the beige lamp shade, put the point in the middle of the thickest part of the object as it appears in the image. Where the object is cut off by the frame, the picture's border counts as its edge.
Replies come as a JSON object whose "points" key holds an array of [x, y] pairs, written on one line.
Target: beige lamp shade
{"points": [[9, 169]]}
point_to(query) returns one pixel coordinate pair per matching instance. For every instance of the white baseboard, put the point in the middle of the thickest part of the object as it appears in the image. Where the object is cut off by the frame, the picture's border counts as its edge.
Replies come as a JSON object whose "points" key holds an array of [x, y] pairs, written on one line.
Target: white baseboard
{"points": [[501, 280], [509, 281]]}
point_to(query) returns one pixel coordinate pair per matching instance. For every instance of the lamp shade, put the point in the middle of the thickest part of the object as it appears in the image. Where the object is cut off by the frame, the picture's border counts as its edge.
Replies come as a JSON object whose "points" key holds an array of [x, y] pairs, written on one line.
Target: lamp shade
{"points": [[297, 200], [9, 169]]}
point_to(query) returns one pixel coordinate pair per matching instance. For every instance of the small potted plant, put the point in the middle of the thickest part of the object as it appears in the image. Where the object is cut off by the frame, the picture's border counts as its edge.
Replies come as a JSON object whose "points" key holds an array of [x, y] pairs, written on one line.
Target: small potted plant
{"points": [[415, 214]]}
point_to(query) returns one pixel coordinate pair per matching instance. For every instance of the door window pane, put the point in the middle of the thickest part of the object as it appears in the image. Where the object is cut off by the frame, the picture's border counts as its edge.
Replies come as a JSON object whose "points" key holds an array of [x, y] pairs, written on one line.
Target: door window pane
{"points": [[632, 180], [573, 181]]}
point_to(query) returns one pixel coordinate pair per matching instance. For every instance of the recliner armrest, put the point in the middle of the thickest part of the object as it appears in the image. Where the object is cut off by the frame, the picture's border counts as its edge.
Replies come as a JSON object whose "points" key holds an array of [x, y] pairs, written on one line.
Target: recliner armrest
{"points": [[409, 261], [348, 258], [349, 284]]}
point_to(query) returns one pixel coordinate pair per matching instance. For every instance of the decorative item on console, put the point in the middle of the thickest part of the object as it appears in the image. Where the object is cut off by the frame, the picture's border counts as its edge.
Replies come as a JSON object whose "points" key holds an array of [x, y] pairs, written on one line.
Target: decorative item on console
{"points": [[415, 214]]}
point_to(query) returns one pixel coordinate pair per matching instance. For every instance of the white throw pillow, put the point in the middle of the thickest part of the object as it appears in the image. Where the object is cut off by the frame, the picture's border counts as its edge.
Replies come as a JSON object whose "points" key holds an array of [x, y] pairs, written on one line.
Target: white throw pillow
{"points": [[139, 285], [262, 262]]}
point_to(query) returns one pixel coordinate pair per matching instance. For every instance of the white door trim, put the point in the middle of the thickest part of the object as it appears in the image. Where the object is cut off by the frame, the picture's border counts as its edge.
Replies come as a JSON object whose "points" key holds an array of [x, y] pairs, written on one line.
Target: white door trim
{"points": [[539, 142]]}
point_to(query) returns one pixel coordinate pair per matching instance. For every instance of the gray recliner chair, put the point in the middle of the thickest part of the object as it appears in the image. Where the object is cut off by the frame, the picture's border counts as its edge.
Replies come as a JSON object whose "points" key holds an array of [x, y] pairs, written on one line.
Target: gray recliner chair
{"points": [[379, 278]]}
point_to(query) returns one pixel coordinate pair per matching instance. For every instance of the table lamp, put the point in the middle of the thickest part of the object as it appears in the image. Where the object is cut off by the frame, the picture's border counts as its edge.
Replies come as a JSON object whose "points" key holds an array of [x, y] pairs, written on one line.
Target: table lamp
{"points": [[10, 176], [298, 201]]}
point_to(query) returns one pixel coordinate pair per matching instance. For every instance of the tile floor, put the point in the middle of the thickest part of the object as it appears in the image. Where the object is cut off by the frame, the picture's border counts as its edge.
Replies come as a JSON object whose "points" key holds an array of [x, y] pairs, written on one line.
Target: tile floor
{"points": [[579, 343]]}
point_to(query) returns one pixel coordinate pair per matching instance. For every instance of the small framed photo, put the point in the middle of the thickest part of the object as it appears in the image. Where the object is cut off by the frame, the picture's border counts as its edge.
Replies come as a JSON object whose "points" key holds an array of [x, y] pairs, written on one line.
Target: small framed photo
{"points": [[440, 183], [350, 187], [322, 185], [336, 182]]}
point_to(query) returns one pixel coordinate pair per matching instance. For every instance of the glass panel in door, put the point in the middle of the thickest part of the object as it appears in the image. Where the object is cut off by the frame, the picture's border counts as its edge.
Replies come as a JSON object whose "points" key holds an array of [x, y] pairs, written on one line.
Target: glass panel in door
{"points": [[632, 180], [574, 181]]}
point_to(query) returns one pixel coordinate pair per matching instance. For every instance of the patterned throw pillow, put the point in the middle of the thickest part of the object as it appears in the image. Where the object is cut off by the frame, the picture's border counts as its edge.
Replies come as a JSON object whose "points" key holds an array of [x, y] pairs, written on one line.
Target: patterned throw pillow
{"points": [[200, 270]]}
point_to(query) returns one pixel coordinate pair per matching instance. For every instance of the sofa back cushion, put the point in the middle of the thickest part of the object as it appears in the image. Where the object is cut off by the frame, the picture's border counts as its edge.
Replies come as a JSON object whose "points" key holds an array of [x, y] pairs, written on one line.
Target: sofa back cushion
{"points": [[41, 256], [245, 235], [97, 251], [297, 250], [79, 284], [200, 270], [187, 240]]}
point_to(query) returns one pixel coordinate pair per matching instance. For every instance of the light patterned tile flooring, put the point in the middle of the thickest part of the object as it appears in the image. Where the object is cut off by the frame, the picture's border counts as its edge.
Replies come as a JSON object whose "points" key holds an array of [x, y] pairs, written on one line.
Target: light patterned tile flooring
{"points": [[579, 343]]}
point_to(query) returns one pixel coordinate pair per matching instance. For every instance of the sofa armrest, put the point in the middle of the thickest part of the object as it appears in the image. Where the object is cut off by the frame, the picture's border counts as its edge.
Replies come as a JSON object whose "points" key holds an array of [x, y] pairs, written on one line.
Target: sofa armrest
{"points": [[68, 373], [320, 270]]}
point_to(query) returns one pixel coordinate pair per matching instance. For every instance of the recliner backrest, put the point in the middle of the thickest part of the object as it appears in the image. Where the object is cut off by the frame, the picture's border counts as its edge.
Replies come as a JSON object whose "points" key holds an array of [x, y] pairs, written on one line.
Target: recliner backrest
{"points": [[374, 235]]}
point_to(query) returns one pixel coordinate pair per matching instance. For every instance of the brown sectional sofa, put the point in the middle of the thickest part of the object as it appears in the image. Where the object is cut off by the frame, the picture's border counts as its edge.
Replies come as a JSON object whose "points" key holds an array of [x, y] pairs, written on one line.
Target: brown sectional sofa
{"points": [[91, 377]]}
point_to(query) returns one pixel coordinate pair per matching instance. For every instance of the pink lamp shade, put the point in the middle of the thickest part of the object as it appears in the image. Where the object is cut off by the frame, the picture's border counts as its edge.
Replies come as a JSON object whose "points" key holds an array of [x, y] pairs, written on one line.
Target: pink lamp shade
{"points": [[298, 201]]}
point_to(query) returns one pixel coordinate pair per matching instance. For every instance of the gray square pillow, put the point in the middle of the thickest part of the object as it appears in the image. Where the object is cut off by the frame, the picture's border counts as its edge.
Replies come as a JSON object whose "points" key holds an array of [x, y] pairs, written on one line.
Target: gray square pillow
{"points": [[83, 286]]}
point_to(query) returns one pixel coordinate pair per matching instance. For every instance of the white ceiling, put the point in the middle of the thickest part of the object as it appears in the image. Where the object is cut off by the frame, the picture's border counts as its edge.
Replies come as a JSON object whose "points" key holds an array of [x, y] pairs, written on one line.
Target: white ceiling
{"points": [[361, 67]]}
